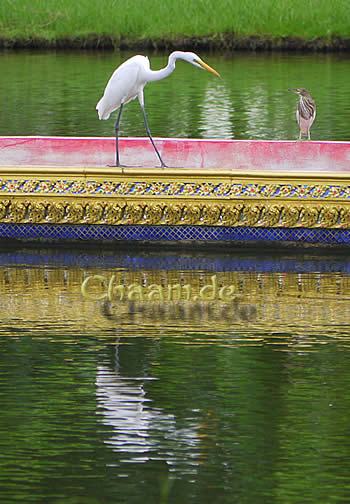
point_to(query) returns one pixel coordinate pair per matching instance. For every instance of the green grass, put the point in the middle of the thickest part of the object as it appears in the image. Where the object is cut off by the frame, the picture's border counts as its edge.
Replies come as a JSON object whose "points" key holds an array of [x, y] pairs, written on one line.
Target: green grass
{"points": [[170, 19]]}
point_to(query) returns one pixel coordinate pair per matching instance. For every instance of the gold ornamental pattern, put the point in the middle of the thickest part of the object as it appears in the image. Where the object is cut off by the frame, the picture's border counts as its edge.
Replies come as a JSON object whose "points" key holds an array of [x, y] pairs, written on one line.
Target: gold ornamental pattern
{"points": [[121, 212], [183, 188], [171, 183]]}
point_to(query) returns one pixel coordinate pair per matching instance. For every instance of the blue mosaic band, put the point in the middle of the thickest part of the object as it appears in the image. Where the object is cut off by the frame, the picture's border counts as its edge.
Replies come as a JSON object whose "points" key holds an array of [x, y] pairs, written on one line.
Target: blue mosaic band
{"points": [[81, 232]]}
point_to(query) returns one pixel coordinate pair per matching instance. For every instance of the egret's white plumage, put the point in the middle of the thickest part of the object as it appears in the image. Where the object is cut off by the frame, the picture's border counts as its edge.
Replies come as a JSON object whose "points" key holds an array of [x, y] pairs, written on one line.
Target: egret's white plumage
{"points": [[128, 81], [125, 84]]}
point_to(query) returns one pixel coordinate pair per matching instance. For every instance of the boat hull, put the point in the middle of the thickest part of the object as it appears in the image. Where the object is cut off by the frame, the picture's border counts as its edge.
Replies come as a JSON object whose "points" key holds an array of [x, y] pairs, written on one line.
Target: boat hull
{"points": [[59, 189]]}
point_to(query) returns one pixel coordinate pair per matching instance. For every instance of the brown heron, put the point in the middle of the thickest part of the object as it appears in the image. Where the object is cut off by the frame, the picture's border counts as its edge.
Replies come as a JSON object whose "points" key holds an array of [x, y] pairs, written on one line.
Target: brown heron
{"points": [[306, 111]]}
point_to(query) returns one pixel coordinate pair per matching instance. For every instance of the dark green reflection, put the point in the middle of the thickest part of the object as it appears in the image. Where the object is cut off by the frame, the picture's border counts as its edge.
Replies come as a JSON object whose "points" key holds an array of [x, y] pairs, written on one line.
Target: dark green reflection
{"points": [[56, 94], [155, 421]]}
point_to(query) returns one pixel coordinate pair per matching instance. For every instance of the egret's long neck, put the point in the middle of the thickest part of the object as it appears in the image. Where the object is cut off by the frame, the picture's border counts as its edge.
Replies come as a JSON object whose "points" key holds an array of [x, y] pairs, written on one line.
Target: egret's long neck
{"points": [[164, 72]]}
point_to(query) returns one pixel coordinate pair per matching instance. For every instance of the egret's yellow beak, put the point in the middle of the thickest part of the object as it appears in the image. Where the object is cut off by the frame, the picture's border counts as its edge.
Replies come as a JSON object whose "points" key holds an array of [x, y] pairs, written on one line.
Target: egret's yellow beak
{"points": [[207, 67]]}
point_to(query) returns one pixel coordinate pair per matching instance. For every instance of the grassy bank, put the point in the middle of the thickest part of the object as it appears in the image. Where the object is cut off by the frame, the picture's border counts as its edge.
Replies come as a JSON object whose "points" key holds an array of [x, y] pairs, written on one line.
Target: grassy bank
{"points": [[166, 23]]}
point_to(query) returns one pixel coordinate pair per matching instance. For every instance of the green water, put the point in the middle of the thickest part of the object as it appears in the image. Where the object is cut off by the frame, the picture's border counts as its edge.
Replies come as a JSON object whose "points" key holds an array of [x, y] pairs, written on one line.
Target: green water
{"points": [[239, 403], [105, 402], [173, 423], [56, 94]]}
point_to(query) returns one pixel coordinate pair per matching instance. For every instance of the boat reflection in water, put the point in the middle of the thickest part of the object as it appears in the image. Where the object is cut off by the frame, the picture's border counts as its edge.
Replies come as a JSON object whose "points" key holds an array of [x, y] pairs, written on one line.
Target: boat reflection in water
{"points": [[172, 344], [227, 301]]}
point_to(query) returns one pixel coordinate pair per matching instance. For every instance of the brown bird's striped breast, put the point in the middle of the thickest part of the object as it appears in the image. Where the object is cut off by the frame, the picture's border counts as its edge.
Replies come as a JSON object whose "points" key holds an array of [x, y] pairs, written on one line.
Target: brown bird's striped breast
{"points": [[306, 107]]}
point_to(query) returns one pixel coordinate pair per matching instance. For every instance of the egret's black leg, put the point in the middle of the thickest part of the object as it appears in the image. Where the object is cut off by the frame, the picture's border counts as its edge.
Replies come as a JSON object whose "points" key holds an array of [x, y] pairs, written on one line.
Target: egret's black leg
{"points": [[116, 126], [163, 165]]}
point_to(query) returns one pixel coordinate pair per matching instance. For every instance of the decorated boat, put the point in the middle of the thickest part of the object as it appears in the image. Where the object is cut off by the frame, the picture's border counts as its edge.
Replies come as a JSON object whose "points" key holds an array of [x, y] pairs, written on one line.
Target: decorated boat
{"points": [[65, 189]]}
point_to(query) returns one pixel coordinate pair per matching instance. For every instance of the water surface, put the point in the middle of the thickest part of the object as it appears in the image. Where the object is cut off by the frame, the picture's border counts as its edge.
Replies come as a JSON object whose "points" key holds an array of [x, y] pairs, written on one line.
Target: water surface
{"points": [[183, 401], [47, 93]]}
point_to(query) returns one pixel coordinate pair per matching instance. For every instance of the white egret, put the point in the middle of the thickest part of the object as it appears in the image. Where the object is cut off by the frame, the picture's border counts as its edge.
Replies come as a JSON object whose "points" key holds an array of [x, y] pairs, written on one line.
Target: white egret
{"points": [[127, 83]]}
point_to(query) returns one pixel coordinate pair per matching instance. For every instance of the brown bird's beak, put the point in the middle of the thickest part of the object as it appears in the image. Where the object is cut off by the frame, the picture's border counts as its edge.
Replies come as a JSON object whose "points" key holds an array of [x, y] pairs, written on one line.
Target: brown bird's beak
{"points": [[293, 90], [207, 67]]}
